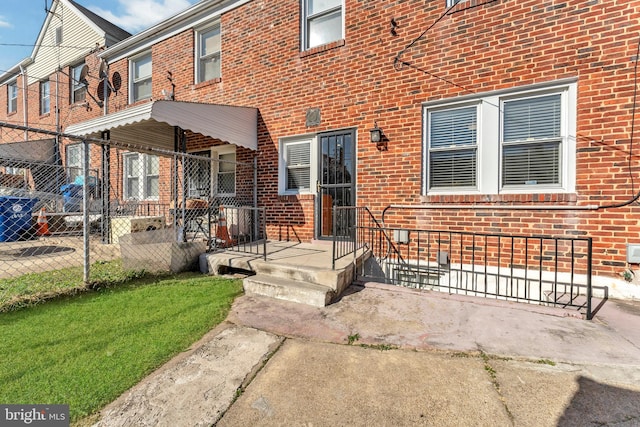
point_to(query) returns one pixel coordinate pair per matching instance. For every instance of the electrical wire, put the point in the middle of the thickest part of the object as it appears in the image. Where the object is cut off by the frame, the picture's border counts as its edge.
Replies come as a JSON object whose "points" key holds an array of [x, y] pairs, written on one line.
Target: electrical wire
{"points": [[399, 63]]}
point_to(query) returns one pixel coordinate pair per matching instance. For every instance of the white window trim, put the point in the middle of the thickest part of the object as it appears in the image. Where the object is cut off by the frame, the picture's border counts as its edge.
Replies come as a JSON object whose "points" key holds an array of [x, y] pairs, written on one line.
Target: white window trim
{"points": [[142, 177], [216, 152], [198, 49], [132, 80], [48, 97], [11, 100], [77, 85], [78, 168], [489, 169], [282, 164], [454, 2], [305, 18]]}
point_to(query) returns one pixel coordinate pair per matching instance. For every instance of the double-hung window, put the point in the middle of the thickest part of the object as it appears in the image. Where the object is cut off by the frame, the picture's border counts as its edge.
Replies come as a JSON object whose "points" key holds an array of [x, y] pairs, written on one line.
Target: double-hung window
{"points": [[74, 159], [140, 78], [78, 88], [296, 161], [453, 148], [227, 174], [532, 141], [45, 97], [141, 176], [208, 54], [509, 141], [323, 22], [12, 97]]}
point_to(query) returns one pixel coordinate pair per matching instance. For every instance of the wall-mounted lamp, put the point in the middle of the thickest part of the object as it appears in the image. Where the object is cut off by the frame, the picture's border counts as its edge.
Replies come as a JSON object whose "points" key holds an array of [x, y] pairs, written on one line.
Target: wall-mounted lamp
{"points": [[376, 133]]}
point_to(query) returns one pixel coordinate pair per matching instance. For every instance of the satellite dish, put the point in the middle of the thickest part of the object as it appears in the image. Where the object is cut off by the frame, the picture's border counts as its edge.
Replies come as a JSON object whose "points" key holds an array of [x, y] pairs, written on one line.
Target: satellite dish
{"points": [[104, 68], [84, 72], [116, 81]]}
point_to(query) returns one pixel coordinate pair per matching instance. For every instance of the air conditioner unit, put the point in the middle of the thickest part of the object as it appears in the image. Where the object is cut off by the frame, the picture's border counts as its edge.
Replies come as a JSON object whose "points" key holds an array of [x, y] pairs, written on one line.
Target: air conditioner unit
{"points": [[134, 224]]}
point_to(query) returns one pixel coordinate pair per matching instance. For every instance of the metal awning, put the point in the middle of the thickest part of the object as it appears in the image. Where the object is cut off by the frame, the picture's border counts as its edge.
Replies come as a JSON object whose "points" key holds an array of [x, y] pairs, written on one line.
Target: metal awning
{"points": [[151, 124]]}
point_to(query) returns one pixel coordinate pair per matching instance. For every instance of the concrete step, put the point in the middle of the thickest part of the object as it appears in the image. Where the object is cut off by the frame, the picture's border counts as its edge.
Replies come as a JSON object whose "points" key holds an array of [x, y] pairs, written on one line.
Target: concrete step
{"points": [[289, 290]]}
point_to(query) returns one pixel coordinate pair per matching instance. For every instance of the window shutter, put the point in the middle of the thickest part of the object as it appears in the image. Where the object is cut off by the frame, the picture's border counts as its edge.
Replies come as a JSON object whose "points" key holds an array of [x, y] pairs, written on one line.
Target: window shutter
{"points": [[453, 140]]}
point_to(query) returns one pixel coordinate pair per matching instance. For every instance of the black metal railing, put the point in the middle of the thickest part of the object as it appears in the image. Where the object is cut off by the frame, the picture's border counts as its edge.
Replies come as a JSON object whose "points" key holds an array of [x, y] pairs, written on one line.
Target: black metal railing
{"points": [[352, 227], [240, 229], [546, 270]]}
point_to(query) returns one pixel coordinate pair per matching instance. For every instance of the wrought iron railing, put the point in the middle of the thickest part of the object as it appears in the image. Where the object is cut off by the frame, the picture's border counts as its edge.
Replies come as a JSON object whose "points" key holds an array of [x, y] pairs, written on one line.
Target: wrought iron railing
{"points": [[546, 270], [240, 229]]}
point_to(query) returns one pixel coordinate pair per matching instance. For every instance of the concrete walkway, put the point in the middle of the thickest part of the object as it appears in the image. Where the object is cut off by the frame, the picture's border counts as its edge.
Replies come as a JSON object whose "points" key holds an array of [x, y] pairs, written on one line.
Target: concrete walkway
{"points": [[384, 355]]}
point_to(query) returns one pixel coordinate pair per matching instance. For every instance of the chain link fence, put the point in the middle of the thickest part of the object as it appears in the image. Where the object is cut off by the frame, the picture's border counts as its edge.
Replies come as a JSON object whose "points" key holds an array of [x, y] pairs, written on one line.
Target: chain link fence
{"points": [[67, 204]]}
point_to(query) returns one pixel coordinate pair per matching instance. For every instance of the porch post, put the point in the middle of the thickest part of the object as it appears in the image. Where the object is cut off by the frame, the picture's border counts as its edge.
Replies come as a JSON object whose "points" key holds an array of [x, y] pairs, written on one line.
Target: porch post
{"points": [[104, 188]]}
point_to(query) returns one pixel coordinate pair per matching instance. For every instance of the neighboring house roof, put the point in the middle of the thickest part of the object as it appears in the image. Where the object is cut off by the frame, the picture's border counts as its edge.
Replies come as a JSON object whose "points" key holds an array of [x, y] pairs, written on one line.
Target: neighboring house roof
{"points": [[101, 31], [197, 15], [109, 28]]}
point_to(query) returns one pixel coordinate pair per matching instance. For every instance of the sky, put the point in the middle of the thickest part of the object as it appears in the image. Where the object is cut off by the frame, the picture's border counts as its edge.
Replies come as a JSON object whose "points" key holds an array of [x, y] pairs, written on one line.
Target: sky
{"points": [[21, 21]]}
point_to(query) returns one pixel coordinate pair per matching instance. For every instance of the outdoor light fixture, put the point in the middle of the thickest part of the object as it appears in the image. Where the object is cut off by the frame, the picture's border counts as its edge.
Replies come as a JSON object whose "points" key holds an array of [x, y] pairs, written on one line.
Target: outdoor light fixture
{"points": [[376, 133]]}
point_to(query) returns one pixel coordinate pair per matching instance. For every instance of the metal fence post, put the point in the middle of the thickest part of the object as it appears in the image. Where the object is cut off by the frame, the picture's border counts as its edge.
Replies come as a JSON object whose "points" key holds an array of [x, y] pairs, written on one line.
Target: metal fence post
{"points": [[85, 209]]}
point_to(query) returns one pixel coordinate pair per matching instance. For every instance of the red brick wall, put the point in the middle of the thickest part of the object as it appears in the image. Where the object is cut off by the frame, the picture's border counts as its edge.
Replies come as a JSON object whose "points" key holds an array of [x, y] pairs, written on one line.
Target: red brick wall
{"points": [[481, 46]]}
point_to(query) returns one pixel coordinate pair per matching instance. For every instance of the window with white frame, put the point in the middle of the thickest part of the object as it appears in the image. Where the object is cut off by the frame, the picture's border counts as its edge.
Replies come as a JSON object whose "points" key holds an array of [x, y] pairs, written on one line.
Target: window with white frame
{"points": [[452, 2], [322, 22], [141, 176], [295, 166], [78, 88], [12, 97], [208, 52], [227, 173], [140, 77], [512, 141], [74, 158], [45, 97]]}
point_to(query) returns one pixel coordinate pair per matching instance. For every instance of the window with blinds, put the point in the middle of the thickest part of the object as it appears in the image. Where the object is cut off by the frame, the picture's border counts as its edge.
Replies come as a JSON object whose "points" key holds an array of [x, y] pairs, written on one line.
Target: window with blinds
{"points": [[453, 148], [508, 141], [531, 141], [298, 166]]}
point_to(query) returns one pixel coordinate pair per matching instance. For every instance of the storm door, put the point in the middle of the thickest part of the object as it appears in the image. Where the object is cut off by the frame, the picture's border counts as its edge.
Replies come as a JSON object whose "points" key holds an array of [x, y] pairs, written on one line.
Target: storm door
{"points": [[336, 181]]}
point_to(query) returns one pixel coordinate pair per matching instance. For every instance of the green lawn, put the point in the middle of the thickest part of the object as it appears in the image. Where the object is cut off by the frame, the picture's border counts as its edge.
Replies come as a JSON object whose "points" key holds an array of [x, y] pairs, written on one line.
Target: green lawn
{"points": [[88, 349]]}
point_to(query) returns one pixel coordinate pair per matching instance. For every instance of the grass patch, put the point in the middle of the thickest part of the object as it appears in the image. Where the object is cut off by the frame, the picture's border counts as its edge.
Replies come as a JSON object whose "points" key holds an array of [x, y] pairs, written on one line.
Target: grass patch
{"points": [[33, 288], [88, 349]]}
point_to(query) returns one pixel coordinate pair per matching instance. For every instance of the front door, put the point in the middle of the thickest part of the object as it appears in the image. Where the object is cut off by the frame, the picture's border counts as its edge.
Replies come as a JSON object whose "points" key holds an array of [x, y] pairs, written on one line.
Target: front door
{"points": [[198, 172], [336, 177]]}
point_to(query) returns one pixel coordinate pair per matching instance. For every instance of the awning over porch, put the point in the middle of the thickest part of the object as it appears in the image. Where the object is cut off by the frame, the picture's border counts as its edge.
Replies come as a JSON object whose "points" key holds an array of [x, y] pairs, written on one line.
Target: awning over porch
{"points": [[151, 124]]}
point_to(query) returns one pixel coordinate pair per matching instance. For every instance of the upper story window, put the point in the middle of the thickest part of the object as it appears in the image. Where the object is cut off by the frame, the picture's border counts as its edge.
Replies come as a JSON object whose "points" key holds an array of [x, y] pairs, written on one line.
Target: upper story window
{"points": [[12, 97], [78, 88], [140, 78], [452, 2], [322, 22], [208, 61], [518, 141], [45, 97]]}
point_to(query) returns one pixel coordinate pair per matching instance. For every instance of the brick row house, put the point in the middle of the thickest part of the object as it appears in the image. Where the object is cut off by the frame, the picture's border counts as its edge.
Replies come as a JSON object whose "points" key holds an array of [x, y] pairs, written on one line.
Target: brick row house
{"points": [[49, 90], [492, 116]]}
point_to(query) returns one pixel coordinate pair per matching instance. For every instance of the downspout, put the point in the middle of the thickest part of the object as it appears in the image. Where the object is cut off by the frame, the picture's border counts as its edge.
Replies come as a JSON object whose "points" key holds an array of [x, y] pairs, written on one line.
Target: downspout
{"points": [[25, 103]]}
